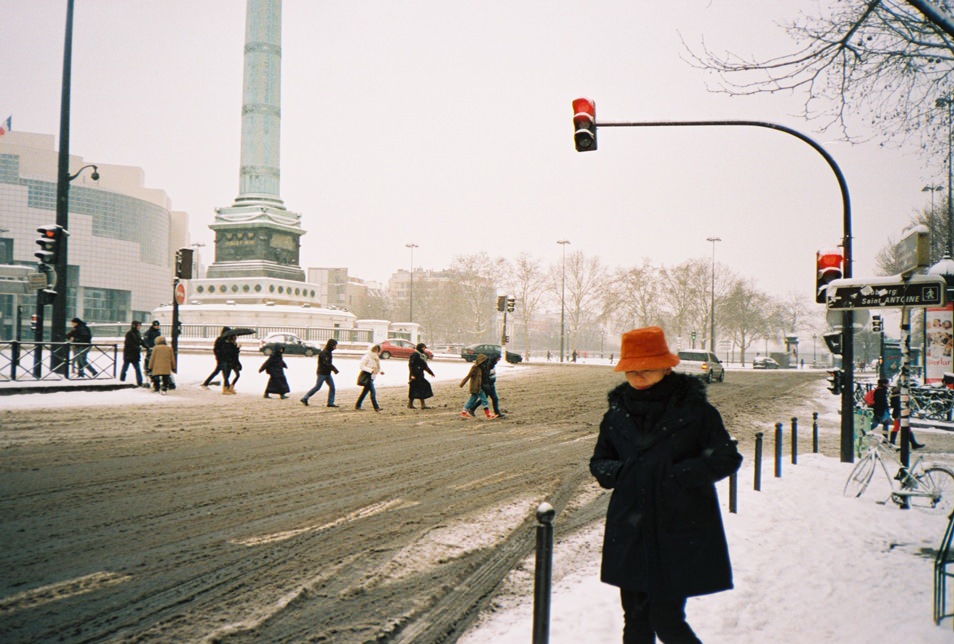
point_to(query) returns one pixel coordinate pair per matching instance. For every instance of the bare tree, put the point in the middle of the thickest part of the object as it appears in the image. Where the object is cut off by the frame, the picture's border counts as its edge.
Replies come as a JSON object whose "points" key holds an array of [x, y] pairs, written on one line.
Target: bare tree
{"points": [[876, 63], [527, 282], [585, 281], [633, 297], [686, 294], [744, 315], [474, 293], [888, 260]]}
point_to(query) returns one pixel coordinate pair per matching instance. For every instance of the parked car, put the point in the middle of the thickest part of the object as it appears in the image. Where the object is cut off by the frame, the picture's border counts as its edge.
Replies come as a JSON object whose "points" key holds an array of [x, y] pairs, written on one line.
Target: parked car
{"points": [[398, 348], [290, 343], [704, 364], [765, 363], [471, 351]]}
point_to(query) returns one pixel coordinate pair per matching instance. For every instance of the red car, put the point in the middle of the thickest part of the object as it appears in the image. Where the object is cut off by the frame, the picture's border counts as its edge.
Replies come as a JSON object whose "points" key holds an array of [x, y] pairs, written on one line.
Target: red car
{"points": [[400, 349]]}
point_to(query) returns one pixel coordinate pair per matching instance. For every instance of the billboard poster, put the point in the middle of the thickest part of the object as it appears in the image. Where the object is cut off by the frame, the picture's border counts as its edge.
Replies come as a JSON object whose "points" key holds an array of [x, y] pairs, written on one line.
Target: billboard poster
{"points": [[938, 343]]}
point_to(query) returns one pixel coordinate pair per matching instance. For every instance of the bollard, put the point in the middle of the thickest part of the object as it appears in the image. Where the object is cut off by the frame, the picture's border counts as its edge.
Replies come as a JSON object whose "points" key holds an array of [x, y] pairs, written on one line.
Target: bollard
{"points": [[758, 461], [542, 574], [794, 440], [778, 450], [814, 432], [734, 488]]}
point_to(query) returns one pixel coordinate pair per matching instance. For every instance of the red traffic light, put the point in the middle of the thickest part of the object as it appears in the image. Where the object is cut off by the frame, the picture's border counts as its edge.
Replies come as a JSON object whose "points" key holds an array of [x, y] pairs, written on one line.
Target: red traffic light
{"points": [[829, 266], [584, 124]]}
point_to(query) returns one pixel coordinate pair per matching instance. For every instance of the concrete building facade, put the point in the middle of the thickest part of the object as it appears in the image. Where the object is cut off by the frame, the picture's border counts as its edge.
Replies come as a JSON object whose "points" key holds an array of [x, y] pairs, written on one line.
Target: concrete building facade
{"points": [[123, 235]]}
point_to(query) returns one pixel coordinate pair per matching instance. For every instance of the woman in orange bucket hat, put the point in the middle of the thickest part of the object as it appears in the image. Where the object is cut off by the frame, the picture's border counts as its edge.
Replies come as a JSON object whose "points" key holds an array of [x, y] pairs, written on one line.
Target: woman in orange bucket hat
{"points": [[661, 448]]}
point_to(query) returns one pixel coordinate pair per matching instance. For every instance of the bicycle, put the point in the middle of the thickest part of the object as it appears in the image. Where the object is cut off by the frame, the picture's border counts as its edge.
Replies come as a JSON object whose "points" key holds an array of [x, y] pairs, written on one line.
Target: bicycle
{"points": [[920, 485]]}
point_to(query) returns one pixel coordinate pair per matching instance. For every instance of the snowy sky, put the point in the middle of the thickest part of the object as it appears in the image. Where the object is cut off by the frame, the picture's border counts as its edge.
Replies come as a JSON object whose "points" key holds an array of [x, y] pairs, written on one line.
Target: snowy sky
{"points": [[449, 125]]}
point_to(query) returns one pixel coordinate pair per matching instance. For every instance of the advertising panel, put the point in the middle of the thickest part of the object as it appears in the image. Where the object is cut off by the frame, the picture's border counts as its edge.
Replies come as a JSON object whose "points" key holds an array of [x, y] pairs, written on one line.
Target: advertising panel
{"points": [[938, 342]]}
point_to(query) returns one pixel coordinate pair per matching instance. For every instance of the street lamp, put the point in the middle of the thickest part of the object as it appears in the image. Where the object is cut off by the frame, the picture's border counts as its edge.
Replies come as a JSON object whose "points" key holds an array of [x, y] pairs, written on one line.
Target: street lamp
{"points": [[712, 297], [563, 242], [410, 299], [932, 189], [949, 104]]}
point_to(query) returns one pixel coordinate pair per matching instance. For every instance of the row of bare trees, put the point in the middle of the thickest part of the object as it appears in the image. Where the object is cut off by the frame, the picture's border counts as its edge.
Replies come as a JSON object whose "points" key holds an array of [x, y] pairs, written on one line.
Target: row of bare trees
{"points": [[458, 305]]}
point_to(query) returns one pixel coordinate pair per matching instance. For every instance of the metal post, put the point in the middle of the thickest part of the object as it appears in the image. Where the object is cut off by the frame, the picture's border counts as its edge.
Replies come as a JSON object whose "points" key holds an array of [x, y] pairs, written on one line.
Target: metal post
{"points": [[734, 489], [814, 432], [563, 243], [174, 335], [58, 317], [542, 574], [847, 342], [758, 461], [904, 386], [712, 296], [794, 440], [778, 450]]}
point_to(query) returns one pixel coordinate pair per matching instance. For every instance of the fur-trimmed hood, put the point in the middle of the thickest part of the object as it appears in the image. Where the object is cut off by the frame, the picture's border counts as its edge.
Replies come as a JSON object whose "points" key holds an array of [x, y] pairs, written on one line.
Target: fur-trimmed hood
{"points": [[687, 389]]}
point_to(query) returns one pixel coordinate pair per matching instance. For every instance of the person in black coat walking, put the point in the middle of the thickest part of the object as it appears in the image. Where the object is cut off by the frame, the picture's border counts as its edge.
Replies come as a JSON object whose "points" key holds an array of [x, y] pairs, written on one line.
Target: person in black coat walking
{"points": [[417, 385], [131, 352], [81, 337], [661, 448], [275, 367], [219, 357]]}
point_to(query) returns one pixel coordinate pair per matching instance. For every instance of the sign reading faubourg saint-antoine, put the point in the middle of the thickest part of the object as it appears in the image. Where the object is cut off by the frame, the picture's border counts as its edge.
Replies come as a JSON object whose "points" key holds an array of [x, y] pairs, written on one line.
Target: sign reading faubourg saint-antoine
{"points": [[878, 293]]}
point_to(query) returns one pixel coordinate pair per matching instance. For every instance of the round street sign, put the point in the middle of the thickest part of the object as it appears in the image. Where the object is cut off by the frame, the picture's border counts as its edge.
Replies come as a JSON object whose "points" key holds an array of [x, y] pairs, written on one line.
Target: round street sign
{"points": [[180, 293]]}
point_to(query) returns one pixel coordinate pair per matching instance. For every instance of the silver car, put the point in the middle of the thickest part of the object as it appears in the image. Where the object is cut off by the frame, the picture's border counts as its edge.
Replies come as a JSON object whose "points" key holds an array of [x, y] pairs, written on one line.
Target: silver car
{"points": [[704, 364]]}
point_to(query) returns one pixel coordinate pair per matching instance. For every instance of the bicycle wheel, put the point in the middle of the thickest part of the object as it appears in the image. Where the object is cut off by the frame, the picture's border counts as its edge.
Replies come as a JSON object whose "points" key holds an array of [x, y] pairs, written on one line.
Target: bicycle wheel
{"points": [[860, 477], [938, 481]]}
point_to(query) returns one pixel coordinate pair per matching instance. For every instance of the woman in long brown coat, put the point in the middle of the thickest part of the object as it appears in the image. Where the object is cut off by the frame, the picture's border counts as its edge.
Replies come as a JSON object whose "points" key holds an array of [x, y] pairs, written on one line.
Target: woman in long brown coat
{"points": [[162, 364]]}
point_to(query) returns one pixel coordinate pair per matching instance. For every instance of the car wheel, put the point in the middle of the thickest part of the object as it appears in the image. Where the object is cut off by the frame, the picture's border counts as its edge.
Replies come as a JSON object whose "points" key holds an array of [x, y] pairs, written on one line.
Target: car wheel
{"points": [[722, 376], [267, 351], [385, 355], [709, 377], [309, 352]]}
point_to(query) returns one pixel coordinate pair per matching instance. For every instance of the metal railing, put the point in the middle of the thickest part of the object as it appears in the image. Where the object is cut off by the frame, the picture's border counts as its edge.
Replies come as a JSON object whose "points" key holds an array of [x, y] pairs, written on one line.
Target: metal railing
{"points": [[53, 361]]}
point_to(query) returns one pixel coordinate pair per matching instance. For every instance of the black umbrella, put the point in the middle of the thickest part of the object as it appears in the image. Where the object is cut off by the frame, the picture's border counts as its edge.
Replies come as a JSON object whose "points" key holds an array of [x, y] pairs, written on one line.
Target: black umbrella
{"points": [[232, 333]]}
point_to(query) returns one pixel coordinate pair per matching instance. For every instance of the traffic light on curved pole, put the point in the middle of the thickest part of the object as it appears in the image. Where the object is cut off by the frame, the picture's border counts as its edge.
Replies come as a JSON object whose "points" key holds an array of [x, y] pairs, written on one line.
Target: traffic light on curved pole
{"points": [[829, 266], [584, 124], [49, 242]]}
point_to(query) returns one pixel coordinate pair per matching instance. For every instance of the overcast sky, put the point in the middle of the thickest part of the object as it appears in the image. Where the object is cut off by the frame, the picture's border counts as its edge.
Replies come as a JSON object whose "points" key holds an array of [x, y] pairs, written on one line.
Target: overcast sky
{"points": [[448, 124]]}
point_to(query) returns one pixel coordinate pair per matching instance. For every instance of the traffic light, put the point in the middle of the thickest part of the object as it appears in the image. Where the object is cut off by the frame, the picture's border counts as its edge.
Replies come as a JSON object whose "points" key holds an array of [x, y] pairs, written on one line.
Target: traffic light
{"points": [[828, 267], [876, 323], [501, 303], [49, 243], [584, 124], [693, 336], [511, 304], [835, 381], [833, 341], [184, 263]]}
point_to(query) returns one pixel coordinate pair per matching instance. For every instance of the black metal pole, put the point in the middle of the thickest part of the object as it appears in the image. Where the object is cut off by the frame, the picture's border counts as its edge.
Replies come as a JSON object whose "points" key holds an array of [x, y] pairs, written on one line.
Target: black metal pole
{"points": [[734, 489], [794, 440], [848, 353], [58, 318], [778, 450], [543, 574], [814, 432], [758, 461]]}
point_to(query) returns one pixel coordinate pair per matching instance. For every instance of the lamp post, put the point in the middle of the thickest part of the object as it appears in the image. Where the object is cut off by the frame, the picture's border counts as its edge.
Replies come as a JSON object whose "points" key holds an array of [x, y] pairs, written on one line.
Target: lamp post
{"points": [[563, 242], [949, 104], [712, 296], [410, 298], [932, 189]]}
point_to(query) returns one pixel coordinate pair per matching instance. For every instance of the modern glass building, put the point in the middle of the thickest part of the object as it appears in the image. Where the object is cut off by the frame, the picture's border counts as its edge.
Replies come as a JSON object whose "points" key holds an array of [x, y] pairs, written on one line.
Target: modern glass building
{"points": [[122, 242]]}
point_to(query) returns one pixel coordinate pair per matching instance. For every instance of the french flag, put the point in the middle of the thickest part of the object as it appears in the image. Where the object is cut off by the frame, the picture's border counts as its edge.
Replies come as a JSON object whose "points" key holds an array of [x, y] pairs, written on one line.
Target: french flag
{"points": [[6, 125]]}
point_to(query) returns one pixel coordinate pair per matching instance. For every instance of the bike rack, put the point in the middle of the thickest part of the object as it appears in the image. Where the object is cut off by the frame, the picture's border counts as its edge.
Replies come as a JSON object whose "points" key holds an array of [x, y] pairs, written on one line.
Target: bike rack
{"points": [[942, 573]]}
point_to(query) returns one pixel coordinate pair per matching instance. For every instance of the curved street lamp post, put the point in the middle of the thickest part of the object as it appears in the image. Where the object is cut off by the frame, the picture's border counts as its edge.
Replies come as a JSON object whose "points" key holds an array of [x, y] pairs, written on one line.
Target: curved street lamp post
{"points": [[563, 242]]}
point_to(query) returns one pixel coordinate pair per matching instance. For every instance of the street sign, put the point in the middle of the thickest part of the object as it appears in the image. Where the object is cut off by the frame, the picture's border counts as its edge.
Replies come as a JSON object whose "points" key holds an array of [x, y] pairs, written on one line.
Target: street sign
{"points": [[877, 294], [36, 281], [180, 293], [913, 252]]}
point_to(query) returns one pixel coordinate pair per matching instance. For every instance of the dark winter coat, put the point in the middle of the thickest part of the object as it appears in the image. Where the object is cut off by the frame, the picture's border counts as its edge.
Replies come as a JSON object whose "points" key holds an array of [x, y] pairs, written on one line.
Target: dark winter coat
{"points": [[80, 334], [230, 355], [275, 368], [418, 386], [880, 407], [325, 365], [131, 345], [661, 450], [149, 337]]}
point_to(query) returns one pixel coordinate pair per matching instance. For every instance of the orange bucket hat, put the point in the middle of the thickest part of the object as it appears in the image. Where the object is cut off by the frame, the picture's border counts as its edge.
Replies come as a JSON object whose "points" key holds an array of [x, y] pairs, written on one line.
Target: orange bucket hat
{"points": [[645, 349]]}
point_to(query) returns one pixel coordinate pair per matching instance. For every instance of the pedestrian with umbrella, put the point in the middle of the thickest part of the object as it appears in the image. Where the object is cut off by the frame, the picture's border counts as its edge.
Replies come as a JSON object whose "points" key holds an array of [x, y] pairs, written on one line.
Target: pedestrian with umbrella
{"points": [[231, 363]]}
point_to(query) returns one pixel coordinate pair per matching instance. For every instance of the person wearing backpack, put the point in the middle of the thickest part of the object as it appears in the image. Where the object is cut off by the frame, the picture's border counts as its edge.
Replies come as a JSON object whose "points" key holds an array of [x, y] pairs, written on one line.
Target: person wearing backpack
{"points": [[882, 412]]}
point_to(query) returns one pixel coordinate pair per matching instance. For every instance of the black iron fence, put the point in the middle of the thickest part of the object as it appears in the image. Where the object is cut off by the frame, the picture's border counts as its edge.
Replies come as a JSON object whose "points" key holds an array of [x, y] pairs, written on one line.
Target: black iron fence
{"points": [[52, 361]]}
